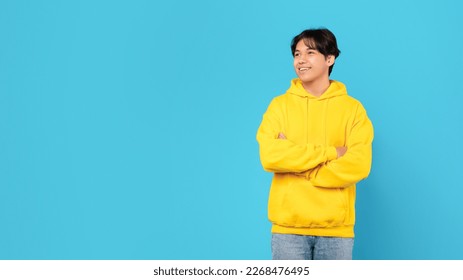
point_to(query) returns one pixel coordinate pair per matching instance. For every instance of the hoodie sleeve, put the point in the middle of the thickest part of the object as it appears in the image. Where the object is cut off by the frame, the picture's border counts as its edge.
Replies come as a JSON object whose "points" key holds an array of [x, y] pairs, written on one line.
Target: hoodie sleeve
{"points": [[282, 155], [355, 164]]}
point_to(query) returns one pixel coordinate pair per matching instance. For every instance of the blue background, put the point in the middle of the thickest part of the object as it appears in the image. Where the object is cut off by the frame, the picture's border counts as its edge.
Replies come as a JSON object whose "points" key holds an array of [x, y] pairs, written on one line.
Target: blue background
{"points": [[127, 128]]}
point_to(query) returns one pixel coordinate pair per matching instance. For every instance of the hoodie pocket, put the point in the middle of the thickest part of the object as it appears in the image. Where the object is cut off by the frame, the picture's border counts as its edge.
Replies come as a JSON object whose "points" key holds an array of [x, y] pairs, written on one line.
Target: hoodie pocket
{"points": [[295, 202]]}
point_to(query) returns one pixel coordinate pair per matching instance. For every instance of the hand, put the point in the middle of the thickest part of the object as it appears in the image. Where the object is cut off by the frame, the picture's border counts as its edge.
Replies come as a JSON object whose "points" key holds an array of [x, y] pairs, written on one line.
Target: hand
{"points": [[281, 136], [341, 151]]}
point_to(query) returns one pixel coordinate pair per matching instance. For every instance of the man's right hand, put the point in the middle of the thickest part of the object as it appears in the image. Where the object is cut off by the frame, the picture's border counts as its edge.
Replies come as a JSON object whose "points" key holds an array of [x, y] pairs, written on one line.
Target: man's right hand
{"points": [[341, 151]]}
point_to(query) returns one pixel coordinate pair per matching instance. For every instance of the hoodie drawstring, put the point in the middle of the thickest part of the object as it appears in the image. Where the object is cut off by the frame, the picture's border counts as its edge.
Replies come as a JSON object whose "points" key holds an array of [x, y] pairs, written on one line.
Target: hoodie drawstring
{"points": [[325, 106]]}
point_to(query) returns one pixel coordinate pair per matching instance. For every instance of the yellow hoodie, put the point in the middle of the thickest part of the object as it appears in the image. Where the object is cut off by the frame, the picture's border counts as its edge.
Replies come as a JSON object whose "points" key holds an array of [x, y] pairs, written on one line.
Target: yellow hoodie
{"points": [[313, 191]]}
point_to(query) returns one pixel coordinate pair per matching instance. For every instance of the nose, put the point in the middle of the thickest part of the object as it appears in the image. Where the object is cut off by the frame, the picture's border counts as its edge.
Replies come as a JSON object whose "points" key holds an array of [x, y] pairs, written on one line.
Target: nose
{"points": [[301, 59]]}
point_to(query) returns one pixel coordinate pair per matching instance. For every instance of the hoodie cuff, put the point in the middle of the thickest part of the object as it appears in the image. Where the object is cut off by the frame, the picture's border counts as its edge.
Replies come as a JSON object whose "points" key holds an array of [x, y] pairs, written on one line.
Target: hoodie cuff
{"points": [[332, 153]]}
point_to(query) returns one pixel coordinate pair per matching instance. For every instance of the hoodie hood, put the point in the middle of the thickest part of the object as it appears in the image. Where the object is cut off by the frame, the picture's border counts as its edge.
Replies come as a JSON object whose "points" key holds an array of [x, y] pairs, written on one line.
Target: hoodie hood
{"points": [[335, 89]]}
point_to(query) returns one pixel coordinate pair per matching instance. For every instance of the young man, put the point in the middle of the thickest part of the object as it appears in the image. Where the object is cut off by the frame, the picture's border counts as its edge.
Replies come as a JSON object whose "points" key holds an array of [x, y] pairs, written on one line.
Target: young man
{"points": [[317, 141]]}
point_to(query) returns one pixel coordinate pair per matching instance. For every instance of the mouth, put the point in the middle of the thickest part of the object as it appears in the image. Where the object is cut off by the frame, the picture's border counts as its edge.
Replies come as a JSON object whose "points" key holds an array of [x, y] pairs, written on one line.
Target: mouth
{"points": [[303, 69]]}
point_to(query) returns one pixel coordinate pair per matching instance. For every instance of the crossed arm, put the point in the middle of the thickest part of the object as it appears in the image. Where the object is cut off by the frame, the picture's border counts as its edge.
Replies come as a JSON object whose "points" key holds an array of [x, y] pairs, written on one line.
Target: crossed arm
{"points": [[339, 150], [323, 166]]}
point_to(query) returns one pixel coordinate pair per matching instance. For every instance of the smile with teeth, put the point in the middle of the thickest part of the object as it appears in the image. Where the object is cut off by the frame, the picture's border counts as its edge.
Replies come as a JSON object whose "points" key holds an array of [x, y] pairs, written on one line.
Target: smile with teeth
{"points": [[302, 69]]}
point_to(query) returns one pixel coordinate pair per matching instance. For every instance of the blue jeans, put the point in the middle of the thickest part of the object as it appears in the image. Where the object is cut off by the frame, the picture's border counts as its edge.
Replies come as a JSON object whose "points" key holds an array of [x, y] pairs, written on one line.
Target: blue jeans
{"points": [[306, 247]]}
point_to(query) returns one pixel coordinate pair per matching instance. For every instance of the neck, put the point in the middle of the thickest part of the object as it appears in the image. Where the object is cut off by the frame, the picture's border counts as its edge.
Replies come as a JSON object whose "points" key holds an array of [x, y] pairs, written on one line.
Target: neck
{"points": [[317, 88]]}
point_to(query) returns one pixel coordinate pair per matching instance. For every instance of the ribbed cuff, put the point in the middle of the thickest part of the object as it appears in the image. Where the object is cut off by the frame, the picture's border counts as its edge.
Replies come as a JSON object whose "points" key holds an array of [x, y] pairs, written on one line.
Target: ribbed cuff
{"points": [[332, 153]]}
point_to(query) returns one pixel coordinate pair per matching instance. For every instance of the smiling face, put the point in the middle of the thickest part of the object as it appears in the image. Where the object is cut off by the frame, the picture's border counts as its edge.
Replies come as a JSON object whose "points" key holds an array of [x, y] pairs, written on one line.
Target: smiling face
{"points": [[311, 66]]}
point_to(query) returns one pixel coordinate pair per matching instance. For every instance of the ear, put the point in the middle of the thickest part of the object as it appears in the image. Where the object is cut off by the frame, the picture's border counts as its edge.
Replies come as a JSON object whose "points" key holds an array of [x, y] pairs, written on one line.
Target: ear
{"points": [[330, 60]]}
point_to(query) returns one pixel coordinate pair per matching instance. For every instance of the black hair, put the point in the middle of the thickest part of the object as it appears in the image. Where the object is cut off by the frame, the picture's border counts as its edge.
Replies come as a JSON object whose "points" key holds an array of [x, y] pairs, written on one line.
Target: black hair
{"points": [[321, 40]]}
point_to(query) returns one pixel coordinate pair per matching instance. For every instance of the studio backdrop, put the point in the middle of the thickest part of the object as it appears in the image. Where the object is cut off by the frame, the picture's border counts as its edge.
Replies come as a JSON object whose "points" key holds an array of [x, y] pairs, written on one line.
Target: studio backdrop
{"points": [[127, 128]]}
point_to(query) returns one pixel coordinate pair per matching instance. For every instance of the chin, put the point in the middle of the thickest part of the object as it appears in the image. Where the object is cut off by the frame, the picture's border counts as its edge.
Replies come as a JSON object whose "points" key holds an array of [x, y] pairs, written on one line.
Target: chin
{"points": [[306, 80]]}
